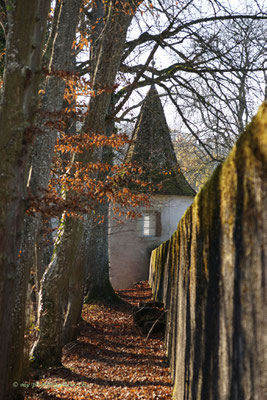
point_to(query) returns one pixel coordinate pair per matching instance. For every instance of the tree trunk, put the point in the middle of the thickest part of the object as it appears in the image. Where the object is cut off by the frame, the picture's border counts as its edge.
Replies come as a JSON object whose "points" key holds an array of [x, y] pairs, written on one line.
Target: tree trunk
{"points": [[47, 349], [40, 171], [54, 294], [27, 22], [41, 158], [76, 291], [75, 302], [43, 150], [98, 286], [110, 48]]}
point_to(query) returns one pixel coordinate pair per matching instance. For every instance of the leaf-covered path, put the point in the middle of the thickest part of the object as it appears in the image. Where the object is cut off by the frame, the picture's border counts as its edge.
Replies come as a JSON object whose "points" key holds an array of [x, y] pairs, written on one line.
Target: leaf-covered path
{"points": [[111, 359]]}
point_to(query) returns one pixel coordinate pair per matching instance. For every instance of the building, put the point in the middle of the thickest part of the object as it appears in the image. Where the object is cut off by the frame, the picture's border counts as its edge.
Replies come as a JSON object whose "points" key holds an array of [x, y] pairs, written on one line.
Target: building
{"points": [[131, 243]]}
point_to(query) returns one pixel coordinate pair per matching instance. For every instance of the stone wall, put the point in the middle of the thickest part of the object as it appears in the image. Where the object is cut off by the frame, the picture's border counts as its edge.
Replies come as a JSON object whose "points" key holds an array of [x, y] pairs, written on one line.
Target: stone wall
{"points": [[211, 275]]}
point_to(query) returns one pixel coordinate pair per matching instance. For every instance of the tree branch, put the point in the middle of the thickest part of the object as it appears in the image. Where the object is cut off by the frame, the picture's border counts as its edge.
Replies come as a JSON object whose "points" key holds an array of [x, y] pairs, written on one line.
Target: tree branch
{"points": [[134, 83], [168, 33], [204, 145]]}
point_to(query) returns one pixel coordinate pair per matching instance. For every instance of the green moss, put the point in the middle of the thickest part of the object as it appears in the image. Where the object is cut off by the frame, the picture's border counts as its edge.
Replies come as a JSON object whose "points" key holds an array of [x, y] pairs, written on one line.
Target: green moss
{"points": [[207, 230]]}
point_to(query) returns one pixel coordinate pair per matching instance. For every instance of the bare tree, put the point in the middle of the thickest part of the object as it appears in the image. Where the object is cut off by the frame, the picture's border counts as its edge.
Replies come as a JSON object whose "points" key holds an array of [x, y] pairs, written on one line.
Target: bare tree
{"points": [[210, 64], [217, 106]]}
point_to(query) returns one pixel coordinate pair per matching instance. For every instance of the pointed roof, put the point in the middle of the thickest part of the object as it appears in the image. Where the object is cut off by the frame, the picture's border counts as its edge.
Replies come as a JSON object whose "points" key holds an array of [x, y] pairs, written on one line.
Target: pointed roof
{"points": [[153, 150]]}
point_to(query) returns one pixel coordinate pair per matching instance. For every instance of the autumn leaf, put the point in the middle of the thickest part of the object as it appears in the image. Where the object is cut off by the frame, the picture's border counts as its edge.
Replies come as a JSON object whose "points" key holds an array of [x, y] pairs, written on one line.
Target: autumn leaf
{"points": [[111, 358]]}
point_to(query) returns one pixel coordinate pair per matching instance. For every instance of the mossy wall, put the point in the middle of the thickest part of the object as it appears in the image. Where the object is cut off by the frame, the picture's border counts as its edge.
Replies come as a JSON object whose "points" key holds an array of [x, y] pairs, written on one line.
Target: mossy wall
{"points": [[211, 276]]}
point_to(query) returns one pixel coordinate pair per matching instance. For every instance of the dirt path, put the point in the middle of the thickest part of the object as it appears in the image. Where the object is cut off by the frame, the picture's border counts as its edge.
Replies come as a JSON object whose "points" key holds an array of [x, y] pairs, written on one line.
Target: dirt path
{"points": [[110, 360]]}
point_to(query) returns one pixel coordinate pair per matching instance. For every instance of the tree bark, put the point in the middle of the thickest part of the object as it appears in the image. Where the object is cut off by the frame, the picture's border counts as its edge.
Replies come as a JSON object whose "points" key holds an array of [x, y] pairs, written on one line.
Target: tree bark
{"points": [[40, 171], [98, 286], [43, 150], [75, 302], [110, 48], [76, 291], [54, 294], [48, 347], [27, 23]]}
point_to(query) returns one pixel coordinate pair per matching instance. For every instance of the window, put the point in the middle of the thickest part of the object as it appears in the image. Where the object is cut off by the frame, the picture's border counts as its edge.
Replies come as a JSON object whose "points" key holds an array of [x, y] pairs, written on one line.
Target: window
{"points": [[151, 224]]}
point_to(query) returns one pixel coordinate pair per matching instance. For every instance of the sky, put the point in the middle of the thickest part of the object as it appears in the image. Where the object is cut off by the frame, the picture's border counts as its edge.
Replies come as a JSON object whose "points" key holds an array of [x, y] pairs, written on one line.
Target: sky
{"points": [[147, 21]]}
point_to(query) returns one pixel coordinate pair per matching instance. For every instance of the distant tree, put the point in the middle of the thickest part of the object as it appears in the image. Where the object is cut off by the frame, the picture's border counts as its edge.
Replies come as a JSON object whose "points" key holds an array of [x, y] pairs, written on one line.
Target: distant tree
{"points": [[193, 160], [217, 106], [210, 66]]}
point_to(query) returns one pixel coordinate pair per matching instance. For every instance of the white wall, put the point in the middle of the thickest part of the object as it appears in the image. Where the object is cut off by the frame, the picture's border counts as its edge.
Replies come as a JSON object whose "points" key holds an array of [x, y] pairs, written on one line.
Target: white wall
{"points": [[129, 252]]}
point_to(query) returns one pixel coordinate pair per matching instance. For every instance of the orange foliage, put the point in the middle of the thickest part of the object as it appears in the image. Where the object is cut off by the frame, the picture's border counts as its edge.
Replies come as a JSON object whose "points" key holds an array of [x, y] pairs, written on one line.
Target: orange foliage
{"points": [[77, 187]]}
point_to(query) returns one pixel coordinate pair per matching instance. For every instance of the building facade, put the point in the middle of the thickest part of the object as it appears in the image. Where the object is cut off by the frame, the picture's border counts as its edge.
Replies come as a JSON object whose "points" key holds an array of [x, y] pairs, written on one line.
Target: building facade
{"points": [[131, 242]]}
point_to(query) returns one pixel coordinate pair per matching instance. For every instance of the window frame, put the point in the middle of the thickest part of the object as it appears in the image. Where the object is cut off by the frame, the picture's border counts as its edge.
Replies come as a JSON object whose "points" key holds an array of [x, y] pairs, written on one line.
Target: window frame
{"points": [[154, 218], [149, 224]]}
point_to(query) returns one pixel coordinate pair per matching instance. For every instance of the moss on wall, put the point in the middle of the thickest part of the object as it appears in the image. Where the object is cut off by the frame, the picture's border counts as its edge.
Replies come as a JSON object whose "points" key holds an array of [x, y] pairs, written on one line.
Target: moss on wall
{"points": [[211, 277]]}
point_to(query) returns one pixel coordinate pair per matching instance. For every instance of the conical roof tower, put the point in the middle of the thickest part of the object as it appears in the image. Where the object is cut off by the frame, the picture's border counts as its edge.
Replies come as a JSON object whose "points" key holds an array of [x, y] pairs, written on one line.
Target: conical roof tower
{"points": [[153, 150]]}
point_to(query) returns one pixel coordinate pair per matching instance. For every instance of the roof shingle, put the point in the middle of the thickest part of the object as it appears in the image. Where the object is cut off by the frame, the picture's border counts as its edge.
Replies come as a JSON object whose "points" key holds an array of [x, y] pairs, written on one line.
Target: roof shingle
{"points": [[153, 150]]}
